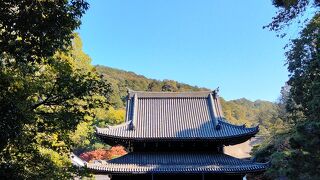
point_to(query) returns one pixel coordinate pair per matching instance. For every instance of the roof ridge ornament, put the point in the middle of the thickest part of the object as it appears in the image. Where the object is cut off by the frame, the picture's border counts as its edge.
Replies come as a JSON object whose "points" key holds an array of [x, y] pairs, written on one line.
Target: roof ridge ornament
{"points": [[129, 90], [215, 92]]}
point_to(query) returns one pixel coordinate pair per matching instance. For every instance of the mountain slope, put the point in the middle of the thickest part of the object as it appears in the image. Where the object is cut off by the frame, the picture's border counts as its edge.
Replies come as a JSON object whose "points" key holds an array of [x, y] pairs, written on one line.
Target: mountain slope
{"points": [[240, 111], [121, 80]]}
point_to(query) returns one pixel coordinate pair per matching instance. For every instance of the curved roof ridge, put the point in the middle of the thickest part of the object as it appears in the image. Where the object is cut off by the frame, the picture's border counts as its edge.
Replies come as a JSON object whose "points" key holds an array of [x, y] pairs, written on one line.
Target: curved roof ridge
{"points": [[170, 92], [239, 126], [150, 94], [112, 127]]}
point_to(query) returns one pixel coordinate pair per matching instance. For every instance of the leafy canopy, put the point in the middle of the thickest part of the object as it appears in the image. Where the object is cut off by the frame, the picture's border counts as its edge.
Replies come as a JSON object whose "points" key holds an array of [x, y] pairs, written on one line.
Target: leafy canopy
{"points": [[294, 153], [289, 11], [47, 87], [33, 29]]}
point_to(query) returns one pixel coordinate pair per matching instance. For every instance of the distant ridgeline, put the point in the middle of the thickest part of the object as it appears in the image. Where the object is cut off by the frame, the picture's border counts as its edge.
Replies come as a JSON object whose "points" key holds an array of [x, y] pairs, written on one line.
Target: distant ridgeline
{"points": [[240, 111]]}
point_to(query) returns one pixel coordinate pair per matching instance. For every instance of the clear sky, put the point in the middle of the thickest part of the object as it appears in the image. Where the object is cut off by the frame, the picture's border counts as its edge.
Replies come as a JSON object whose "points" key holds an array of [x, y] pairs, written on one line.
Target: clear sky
{"points": [[208, 43]]}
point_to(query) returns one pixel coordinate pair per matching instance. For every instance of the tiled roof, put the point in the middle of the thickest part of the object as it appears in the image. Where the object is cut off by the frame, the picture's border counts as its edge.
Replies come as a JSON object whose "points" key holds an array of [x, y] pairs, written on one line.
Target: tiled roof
{"points": [[176, 163], [188, 115], [176, 131]]}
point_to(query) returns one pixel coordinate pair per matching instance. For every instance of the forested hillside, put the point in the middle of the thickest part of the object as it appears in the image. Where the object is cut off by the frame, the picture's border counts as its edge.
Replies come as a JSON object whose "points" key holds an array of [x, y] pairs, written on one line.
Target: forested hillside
{"points": [[241, 111], [263, 113], [121, 80]]}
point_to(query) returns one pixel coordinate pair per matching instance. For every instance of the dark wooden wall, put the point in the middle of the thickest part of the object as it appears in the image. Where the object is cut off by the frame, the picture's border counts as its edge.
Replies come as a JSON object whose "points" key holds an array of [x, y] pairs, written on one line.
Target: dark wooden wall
{"points": [[176, 146], [178, 177]]}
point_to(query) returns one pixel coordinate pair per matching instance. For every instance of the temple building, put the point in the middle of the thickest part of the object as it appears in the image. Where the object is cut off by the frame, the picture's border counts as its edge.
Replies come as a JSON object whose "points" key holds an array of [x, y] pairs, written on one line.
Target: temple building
{"points": [[175, 135]]}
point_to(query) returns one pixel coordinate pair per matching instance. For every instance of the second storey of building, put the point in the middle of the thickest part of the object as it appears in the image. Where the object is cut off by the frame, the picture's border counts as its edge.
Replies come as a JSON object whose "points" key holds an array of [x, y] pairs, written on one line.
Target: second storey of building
{"points": [[175, 119]]}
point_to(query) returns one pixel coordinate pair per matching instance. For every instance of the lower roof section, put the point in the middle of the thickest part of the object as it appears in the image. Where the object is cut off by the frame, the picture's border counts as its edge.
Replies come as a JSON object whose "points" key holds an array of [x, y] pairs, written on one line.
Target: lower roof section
{"points": [[176, 163]]}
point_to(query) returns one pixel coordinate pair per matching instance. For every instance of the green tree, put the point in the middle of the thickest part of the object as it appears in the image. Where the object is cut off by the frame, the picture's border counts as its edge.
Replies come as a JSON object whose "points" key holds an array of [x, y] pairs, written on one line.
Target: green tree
{"points": [[47, 87], [40, 110], [85, 139], [169, 85], [294, 153], [303, 64], [34, 29], [288, 12]]}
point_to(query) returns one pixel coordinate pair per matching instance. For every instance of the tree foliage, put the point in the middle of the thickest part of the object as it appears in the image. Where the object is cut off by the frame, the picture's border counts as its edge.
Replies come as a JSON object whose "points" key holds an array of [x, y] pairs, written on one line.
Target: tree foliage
{"points": [[85, 139], [34, 29], [263, 113], [288, 11], [40, 108], [294, 152], [47, 87], [304, 67], [102, 154]]}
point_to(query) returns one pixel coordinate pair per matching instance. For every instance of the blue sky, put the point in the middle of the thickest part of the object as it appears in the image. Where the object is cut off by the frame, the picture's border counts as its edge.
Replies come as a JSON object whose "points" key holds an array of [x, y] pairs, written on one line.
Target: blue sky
{"points": [[199, 42]]}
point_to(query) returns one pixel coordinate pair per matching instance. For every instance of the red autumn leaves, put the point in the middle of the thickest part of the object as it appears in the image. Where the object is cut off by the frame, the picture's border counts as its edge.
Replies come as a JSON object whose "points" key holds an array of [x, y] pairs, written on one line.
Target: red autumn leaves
{"points": [[103, 154]]}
